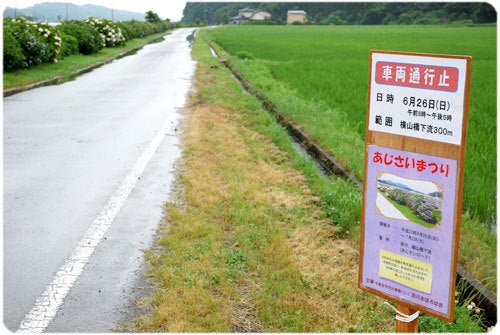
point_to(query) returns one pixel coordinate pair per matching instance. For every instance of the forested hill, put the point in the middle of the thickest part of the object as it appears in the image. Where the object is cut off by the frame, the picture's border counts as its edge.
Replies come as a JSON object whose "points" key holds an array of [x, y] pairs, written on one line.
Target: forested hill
{"points": [[348, 13]]}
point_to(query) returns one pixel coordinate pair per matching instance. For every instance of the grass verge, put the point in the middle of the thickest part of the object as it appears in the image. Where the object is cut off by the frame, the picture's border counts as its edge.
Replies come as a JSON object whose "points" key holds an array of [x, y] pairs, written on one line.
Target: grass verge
{"points": [[247, 246], [69, 65]]}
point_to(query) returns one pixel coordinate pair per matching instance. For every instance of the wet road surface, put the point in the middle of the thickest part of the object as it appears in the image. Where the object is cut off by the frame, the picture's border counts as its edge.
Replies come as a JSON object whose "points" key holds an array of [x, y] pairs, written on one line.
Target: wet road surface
{"points": [[388, 209], [87, 167]]}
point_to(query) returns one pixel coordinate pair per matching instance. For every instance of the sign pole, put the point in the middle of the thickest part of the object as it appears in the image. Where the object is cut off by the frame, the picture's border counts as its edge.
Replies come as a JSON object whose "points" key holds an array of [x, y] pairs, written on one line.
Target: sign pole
{"points": [[406, 327]]}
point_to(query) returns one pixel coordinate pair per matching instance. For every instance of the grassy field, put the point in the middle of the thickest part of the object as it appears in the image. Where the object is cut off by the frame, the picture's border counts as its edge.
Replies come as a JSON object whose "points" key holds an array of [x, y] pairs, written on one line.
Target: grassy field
{"points": [[318, 75]]}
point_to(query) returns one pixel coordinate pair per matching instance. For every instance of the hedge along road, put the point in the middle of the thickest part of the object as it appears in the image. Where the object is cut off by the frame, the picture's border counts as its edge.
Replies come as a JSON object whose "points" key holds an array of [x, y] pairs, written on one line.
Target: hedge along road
{"points": [[87, 167]]}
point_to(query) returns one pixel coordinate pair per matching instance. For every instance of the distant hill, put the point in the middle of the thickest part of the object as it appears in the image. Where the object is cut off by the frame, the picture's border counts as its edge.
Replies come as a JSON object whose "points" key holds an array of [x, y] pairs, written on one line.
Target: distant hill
{"points": [[398, 185], [436, 194], [58, 11]]}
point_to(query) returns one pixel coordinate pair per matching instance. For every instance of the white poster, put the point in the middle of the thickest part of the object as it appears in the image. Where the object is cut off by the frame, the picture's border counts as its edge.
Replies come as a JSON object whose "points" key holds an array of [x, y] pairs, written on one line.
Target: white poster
{"points": [[418, 96]]}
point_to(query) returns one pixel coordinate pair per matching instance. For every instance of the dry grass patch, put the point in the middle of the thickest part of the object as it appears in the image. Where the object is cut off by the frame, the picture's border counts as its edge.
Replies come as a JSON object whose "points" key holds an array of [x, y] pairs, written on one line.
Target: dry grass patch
{"points": [[329, 266]]}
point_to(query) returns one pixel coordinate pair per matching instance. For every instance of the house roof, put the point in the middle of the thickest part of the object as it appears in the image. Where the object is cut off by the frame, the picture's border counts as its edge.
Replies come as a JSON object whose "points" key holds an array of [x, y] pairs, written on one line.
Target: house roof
{"points": [[248, 9], [297, 12], [238, 17], [261, 11]]}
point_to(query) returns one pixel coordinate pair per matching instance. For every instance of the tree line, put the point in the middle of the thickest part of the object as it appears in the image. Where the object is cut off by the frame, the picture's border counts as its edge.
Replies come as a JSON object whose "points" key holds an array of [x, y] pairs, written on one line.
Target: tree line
{"points": [[348, 13]]}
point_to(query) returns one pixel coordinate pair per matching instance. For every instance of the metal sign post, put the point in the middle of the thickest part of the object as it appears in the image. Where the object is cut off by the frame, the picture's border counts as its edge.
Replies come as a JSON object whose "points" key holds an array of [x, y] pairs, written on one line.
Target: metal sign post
{"points": [[412, 191]]}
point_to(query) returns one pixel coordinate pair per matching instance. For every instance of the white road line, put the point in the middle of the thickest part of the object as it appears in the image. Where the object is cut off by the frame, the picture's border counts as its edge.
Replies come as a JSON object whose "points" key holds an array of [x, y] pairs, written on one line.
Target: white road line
{"points": [[47, 305]]}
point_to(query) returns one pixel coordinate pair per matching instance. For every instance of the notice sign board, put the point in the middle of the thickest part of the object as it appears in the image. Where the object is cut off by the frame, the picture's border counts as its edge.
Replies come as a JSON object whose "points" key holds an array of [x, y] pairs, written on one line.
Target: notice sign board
{"points": [[418, 96], [412, 191]]}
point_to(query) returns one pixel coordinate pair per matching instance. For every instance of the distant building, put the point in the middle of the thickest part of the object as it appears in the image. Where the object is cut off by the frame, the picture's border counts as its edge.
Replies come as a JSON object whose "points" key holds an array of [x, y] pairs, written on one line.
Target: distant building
{"points": [[261, 15], [246, 12], [238, 19], [249, 14], [296, 16]]}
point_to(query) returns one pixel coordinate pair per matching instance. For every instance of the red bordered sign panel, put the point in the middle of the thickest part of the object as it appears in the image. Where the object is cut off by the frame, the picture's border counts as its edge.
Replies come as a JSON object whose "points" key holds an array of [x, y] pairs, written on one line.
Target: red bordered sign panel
{"points": [[418, 96]]}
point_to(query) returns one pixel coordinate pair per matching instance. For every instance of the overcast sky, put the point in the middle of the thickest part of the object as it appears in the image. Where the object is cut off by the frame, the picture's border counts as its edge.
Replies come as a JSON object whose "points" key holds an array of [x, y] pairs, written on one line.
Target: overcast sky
{"points": [[171, 9]]}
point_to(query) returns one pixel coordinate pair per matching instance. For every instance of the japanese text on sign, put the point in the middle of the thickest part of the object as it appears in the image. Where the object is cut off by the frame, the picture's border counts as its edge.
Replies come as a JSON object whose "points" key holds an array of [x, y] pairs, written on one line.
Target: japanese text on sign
{"points": [[409, 162], [406, 271], [417, 76], [423, 298], [417, 96]]}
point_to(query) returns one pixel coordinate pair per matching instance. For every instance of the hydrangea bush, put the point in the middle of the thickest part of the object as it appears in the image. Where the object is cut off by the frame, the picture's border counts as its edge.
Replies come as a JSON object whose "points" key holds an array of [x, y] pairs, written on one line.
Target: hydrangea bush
{"points": [[27, 44], [69, 45], [426, 208], [38, 42], [88, 38], [111, 34], [13, 56], [136, 29]]}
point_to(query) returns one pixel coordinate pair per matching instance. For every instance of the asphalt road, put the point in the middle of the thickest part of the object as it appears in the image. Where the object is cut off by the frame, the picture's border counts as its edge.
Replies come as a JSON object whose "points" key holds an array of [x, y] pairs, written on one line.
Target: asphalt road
{"points": [[87, 167], [387, 209]]}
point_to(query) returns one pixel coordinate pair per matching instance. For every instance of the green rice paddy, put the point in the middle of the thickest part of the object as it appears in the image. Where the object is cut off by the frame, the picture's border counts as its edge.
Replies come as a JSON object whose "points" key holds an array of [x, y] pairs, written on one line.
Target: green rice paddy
{"points": [[318, 75]]}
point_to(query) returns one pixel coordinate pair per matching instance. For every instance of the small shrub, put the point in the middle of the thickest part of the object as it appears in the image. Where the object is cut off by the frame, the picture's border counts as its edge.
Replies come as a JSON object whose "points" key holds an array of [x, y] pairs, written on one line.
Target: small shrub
{"points": [[88, 38], [69, 45], [126, 32], [13, 57], [135, 29], [40, 43], [110, 33]]}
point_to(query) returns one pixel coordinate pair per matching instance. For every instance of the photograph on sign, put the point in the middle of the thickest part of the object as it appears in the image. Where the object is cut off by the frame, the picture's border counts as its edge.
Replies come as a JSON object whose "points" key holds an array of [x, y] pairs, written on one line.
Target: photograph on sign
{"points": [[409, 227], [418, 201], [418, 96]]}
